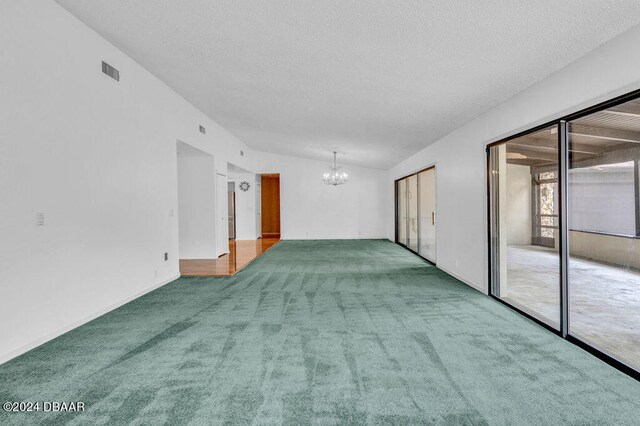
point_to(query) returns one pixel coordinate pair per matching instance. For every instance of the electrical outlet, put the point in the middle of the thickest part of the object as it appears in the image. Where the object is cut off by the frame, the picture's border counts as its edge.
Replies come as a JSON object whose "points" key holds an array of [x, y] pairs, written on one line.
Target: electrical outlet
{"points": [[166, 256], [156, 273], [40, 219], [171, 213]]}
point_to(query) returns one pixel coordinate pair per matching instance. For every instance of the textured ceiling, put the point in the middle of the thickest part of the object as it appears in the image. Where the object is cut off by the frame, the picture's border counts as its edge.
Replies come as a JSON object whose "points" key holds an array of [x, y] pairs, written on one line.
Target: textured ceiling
{"points": [[376, 80]]}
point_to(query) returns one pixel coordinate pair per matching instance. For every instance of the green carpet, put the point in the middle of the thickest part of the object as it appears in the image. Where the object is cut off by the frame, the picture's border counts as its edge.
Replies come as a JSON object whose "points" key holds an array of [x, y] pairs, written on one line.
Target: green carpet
{"points": [[322, 332]]}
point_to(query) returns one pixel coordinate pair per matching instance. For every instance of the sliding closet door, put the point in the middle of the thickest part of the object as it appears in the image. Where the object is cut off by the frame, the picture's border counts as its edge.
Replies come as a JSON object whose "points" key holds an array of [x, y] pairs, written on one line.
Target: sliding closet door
{"points": [[412, 194], [415, 213], [604, 231], [401, 207], [427, 213], [525, 270]]}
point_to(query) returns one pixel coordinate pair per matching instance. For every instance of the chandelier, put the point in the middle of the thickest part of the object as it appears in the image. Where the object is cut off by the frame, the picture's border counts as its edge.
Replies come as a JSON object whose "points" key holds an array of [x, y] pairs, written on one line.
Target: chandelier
{"points": [[334, 177]]}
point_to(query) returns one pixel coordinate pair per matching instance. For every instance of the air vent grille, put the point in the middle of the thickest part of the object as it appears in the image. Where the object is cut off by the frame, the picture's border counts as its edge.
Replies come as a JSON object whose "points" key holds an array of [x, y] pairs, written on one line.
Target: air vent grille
{"points": [[110, 71], [203, 130]]}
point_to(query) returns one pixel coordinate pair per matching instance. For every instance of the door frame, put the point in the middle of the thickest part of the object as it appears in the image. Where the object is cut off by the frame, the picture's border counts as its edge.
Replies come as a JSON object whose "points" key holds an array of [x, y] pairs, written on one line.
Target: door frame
{"points": [[262, 210]]}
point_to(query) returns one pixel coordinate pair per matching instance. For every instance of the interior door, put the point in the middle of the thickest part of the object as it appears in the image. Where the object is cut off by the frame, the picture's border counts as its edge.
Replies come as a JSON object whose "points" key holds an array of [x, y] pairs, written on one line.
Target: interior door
{"points": [[270, 207], [427, 212], [222, 245], [412, 196]]}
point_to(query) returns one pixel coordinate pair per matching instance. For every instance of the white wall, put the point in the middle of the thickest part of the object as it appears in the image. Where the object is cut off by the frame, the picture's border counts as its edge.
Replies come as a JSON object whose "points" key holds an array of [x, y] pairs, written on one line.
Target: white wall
{"points": [[196, 208], [309, 209], [99, 159], [518, 212], [460, 156]]}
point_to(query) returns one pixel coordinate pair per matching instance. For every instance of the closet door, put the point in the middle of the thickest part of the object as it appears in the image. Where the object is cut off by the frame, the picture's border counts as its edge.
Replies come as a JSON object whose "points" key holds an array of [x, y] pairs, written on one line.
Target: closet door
{"points": [[412, 195], [401, 206], [427, 214]]}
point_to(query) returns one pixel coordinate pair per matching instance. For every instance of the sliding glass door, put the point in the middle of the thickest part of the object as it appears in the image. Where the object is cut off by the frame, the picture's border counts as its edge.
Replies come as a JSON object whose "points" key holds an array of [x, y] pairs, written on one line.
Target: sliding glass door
{"points": [[524, 229], [604, 231], [564, 228], [416, 212]]}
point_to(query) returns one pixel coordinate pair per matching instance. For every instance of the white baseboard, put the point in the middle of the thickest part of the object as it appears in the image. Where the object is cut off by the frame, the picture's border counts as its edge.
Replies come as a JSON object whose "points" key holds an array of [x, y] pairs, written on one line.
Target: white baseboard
{"points": [[464, 280], [50, 336]]}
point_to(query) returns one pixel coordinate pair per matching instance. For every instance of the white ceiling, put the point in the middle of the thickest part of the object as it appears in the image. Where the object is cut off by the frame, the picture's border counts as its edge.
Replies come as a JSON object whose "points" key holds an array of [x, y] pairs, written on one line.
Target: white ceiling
{"points": [[376, 80]]}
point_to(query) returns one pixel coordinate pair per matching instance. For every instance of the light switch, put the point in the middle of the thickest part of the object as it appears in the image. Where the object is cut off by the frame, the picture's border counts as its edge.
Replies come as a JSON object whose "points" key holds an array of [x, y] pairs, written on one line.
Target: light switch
{"points": [[40, 219]]}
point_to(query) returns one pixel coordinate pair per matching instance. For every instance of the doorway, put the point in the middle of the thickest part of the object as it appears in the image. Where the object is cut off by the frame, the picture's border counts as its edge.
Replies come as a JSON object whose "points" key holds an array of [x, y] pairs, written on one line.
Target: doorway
{"points": [[416, 213], [196, 203], [270, 205]]}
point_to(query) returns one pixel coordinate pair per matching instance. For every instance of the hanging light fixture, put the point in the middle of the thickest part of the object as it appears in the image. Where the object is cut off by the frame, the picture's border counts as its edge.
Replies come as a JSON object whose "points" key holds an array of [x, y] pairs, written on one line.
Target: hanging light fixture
{"points": [[334, 177]]}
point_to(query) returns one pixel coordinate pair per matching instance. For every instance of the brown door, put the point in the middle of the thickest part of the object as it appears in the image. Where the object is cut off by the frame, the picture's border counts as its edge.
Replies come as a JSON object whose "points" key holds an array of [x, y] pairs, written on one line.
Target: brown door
{"points": [[271, 205]]}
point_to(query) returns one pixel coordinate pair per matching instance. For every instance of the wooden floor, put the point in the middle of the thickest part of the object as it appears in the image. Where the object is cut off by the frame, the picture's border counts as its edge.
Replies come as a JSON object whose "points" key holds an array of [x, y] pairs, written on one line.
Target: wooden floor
{"points": [[242, 253]]}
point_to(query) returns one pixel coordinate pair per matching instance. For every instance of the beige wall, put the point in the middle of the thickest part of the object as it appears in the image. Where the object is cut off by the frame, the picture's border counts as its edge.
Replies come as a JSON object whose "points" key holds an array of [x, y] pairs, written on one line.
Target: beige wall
{"points": [[606, 248], [518, 214]]}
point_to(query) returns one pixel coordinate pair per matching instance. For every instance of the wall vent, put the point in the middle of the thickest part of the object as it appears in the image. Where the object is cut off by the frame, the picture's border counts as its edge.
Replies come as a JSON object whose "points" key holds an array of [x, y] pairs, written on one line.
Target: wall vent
{"points": [[203, 130], [110, 71]]}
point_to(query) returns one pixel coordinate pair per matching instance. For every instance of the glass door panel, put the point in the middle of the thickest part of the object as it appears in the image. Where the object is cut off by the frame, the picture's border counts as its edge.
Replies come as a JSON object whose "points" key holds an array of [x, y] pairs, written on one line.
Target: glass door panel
{"points": [[524, 224], [427, 214], [402, 211], [412, 195], [604, 230]]}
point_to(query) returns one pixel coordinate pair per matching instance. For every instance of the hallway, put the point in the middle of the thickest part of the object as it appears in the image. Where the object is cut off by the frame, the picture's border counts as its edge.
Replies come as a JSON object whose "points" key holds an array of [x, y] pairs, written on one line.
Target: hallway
{"points": [[241, 253]]}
